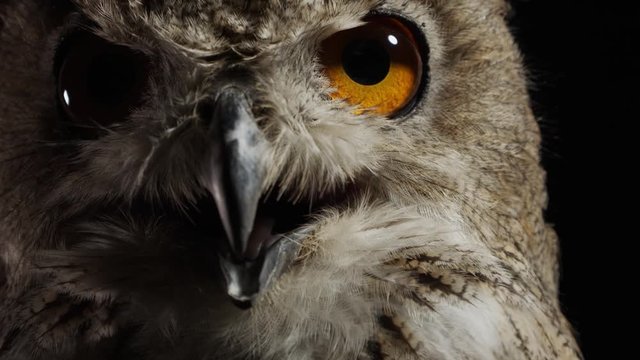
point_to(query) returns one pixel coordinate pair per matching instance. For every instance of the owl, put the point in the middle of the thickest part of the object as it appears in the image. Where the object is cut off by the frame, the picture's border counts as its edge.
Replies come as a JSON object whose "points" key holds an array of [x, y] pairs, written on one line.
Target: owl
{"points": [[276, 179]]}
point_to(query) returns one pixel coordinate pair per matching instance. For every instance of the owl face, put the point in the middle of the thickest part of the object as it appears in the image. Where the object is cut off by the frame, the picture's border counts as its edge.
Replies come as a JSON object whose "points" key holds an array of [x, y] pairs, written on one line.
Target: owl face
{"points": [[177, 159], [238, 126]]}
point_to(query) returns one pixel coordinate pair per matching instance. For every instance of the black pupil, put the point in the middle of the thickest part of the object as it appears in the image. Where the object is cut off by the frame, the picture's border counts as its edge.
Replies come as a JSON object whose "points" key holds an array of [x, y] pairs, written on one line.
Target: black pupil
{"points": [[110, 78], [366, 61]]}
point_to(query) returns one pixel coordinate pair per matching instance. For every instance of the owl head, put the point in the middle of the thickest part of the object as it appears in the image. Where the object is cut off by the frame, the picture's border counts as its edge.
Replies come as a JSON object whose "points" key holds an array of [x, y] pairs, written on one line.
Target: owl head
{"points": [[174, 162]]}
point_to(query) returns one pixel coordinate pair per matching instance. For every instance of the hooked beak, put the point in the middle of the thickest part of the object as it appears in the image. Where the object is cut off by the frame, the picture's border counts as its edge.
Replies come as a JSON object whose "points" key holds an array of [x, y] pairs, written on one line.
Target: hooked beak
{"points": [[234, 176], [236, 170]]}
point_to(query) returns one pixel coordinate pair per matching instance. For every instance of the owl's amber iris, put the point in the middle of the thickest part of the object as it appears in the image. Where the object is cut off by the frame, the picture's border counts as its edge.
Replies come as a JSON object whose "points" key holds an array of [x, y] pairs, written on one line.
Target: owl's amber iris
{"points": [[376, 67]]}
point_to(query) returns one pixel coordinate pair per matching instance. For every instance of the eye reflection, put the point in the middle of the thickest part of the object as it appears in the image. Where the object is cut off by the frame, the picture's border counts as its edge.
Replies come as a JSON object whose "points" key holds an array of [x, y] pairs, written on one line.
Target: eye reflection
{"points": [[65, 95]]}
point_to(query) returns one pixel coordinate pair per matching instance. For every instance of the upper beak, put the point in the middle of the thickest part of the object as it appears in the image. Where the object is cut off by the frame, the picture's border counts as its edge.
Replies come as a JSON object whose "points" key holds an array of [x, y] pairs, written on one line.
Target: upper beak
{"points": [[234, 176]]}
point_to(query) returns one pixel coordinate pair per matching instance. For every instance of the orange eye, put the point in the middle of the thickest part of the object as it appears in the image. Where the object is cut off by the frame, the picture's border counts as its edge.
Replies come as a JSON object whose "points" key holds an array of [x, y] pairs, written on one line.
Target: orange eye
{"points": [[376, 66]]}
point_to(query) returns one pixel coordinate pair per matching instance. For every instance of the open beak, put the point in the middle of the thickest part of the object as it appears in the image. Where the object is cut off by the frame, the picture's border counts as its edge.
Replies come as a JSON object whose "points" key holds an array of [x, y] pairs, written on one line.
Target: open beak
{"points": [[234, 175]]}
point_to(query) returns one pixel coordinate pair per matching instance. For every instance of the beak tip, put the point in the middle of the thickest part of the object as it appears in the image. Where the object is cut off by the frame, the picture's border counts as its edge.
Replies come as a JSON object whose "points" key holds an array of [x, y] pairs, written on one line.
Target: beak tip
{"points": [[240, 300], [241, 282]]}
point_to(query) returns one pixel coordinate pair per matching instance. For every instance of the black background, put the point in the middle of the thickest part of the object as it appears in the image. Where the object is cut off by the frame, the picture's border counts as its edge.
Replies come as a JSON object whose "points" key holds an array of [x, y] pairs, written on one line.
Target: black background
{"points": [[583, 63]]}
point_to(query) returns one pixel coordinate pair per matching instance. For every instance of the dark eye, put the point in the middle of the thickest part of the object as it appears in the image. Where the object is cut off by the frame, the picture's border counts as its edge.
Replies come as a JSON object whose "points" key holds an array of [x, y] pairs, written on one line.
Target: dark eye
{"points": [[99, 82], [377, 66]]}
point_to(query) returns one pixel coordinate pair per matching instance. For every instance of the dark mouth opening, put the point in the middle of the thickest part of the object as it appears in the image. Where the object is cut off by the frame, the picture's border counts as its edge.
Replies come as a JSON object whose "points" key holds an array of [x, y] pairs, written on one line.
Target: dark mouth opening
{"points": [[269, 250], [275, 218]]}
